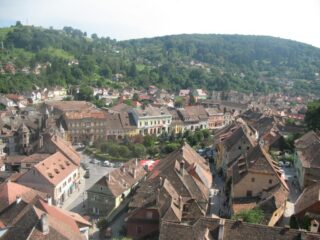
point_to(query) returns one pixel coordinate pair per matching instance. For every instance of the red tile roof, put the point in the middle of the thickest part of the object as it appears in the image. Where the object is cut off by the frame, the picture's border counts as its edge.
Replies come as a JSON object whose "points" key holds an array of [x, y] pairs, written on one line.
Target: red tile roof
{"points": [[10, 190], [55, 168], [66, 148]]}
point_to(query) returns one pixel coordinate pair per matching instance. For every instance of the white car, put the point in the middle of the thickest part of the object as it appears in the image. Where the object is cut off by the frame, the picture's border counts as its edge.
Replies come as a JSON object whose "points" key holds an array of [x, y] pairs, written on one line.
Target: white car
{"points": [[281, 164], [287, 164], [106, 164]]}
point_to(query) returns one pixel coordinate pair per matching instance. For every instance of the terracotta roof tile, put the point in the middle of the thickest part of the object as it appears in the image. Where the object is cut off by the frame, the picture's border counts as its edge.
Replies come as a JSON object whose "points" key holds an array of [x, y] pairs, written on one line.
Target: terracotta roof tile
{"points": [[9, 191], [55, 168]]}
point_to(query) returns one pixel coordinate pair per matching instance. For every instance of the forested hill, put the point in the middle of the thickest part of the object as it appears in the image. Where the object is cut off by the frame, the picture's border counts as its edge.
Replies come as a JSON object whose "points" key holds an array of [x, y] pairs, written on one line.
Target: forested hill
{"points": [[48, 57]]}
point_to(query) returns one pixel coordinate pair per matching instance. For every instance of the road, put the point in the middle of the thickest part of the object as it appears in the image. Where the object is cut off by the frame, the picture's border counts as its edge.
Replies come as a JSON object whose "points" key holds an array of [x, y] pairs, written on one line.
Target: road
{"points": [[76, 204], [294, 193], [218, 198]]}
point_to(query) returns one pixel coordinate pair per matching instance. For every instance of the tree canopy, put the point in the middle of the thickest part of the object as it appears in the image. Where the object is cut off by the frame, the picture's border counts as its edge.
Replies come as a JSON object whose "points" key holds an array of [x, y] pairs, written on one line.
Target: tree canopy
{"points": [[212, 61]]}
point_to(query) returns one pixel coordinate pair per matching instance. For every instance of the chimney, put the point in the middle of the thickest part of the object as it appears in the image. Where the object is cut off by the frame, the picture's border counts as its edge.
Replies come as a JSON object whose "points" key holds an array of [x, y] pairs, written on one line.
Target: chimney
{"points": [[221, 229], [49, 200], [40, 141], [136, 162], [108, 177], [314, 227], [44, 224], [123, 169], [182, 167], [134, 173], [55, 137], [160, 181], [158, 195], [18, 199], [180, 202]]}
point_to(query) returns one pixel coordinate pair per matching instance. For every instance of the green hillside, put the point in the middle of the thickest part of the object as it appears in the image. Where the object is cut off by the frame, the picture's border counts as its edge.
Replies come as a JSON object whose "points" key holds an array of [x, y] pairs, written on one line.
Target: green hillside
{"points": [[216, 62]]}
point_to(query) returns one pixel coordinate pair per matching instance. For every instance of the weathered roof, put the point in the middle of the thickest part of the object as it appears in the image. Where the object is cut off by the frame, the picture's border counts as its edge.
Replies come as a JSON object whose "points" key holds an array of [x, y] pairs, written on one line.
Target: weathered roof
{"points": [[24, 221], [65, 148], [121, 179], [307, 198], [151, 111], [225, 229], [85, 114], [308, 150], [193, 113], [182, 173], [66, 106], [34, 158], [9, 191]]}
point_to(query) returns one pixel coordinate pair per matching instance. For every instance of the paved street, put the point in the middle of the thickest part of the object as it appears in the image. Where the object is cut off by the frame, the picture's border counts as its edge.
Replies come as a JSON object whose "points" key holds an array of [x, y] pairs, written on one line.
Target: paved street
{"points": [[217, 196], [291, 179], [96, 172]]}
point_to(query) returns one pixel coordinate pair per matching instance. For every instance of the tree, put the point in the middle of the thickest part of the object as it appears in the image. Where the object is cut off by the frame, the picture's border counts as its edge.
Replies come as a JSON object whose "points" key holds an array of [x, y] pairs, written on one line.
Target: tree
{"points": [[192, 100], [312, 118], [85, 93], [149, 140], [124, 151], [18, 24], [255, 215], [135, 97], [132, 70], [139, 150], [106, 71], [170, 147]]}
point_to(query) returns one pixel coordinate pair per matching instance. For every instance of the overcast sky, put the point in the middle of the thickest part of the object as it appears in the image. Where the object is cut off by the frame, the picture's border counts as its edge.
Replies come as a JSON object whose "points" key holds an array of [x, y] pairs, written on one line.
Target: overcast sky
{"points": [[126, 19]]}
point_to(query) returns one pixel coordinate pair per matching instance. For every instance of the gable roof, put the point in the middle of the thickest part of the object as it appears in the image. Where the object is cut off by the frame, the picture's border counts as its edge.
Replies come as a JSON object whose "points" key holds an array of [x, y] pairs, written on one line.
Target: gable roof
{"points": [[121, 179], [55, 168], [307, 198], [9, 192], [24, 220], [308, 150], [66, 149], [225, 229], [257, 160], [177, 181]]}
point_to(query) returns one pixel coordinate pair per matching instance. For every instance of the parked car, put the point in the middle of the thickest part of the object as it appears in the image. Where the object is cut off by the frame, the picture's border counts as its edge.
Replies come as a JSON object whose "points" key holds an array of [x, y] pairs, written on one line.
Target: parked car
{"points": [[87, 174], [105, 164], [85, 166], [281, 164], [287, 164]]}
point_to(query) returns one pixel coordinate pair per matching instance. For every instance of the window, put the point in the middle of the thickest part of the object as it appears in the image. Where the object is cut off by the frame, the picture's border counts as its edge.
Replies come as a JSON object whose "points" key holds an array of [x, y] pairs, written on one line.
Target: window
{"points": [[252, 179], [249, 193], [149, 214], [95, 210], [139, 229], [270, 181], [239, 147]]}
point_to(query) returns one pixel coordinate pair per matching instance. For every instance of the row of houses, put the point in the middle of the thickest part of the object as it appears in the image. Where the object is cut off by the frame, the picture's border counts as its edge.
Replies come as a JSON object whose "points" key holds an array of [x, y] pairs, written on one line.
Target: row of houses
{"points": [[81, 121]]}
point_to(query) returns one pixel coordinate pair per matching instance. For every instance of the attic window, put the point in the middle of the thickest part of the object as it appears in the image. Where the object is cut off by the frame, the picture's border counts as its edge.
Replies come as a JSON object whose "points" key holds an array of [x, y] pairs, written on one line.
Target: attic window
{"points": [[239, 147], [62, 167], [67, 163], [50, 175], [56, 171]]}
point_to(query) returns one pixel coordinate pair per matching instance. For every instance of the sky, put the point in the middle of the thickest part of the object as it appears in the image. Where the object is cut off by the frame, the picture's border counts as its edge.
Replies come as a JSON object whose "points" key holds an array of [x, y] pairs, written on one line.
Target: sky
{"points": [[127, 19]]}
